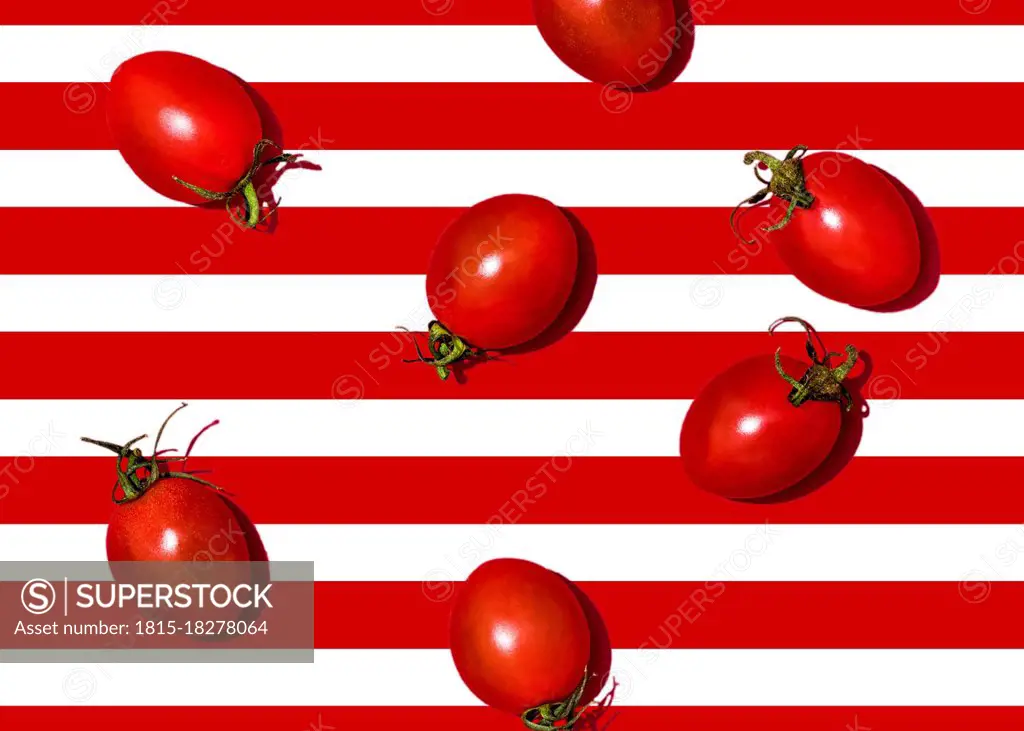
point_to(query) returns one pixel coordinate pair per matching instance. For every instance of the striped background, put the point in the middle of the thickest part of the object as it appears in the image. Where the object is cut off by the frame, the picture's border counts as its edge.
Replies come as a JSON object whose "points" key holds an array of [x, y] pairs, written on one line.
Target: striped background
{"points": [[888, 599]]}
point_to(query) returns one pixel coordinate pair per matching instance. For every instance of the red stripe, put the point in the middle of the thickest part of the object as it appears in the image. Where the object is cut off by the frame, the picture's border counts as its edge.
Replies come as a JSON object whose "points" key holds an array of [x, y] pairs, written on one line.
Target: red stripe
{"points": [[712, 615], [591, 490], [349, 366], [187, 241], [501, 12], [563, 116], [613, 718]]}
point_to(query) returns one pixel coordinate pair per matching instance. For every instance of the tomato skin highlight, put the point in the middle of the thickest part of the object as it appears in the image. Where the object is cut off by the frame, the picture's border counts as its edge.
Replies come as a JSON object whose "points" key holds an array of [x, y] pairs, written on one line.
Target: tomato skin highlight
{"points": [[171, 114], [502, 272], [176, 519], [858, 243], [519, 637], [622, 42], [742, 438]]}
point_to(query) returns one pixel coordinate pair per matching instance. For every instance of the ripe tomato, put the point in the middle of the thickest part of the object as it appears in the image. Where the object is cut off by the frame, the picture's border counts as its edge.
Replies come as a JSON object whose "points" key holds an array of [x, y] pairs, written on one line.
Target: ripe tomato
{"points": [[851, 236], [499, 276], [752, 433], [622, 42], [519, 637], [175, 118], [164, 515], [174, 520]]}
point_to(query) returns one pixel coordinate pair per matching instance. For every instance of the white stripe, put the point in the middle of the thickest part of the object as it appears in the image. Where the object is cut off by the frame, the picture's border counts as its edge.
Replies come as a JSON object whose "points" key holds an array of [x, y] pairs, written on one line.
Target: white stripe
{"points": [[380, 303], [440, 553], [672, 677], [440, 178], [516, 53], [470, 428]]}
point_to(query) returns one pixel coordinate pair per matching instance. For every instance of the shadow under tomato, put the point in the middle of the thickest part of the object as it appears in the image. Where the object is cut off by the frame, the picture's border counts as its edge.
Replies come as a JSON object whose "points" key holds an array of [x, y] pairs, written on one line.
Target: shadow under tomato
{"points": [[678, 50], [575, 307], [579, 298], [850, 433], [601, 715], [928, 279], [600, 664]]}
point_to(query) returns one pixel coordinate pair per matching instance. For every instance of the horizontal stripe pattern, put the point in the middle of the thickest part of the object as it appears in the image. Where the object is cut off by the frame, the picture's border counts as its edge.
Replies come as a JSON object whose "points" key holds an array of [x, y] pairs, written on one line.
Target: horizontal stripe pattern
{"points": [[570, 488], [476, 428], [195, 241], [507, 12], [499, 54], [326, 717], [349, 367], [716, 614], [460, 178], [381, 303], [883, 599], [678, 552], [647, 678], [723, 614], [560, 116]]}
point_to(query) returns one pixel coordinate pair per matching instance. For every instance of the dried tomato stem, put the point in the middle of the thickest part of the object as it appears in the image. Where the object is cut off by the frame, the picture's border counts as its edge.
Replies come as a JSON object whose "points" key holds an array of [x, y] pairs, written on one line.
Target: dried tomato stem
{"points": [[130, 462], [820, 382], [548, 716], [446, 347], [787, 183], [243, 187]]}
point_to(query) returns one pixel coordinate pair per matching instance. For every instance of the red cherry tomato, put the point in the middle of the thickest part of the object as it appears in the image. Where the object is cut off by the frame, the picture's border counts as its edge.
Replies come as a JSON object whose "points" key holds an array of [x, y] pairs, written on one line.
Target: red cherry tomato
{"points": [[168, 514], [857, 242], [623, 42], [174, 520], [743, 437], [519, 637], [173, 115], [501, 273]]}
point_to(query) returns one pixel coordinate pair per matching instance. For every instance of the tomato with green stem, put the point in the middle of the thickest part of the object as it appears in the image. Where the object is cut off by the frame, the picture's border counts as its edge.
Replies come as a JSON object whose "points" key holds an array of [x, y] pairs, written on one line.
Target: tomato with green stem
{"points": [[839, 225], [499, 276], [756, 429], [163, 514], [521, 642], [189, 130]]}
